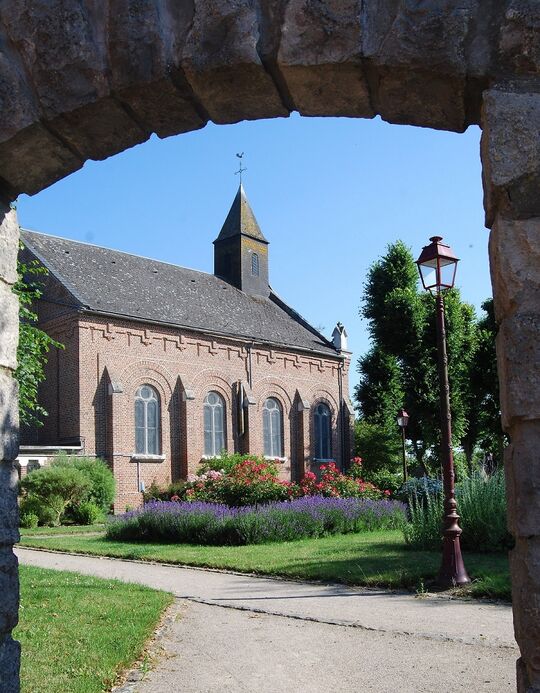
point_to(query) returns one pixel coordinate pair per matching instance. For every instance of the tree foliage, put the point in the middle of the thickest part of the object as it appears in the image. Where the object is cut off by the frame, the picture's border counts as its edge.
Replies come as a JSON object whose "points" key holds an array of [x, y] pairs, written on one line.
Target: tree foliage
{"points": [[34, 343], [400, 370]]}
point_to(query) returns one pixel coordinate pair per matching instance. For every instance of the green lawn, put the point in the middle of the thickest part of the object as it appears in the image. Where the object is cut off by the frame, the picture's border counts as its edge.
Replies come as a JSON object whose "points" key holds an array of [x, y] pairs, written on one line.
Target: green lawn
{"points": [[64, 529], [369, 558], [78, 632]]}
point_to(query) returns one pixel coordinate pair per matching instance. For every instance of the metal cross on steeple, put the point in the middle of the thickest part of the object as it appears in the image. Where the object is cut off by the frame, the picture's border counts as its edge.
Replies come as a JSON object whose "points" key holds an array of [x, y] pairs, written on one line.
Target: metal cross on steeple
{"points": [[240, 170]]}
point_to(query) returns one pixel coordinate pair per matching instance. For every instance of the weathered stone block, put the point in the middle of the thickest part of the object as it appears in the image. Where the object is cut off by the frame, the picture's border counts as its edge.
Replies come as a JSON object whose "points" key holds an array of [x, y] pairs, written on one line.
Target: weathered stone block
{"points": [[415, 97], [9, 417], [222, 65], [510, 149], [9, 244], [9, 588], [99, 130], [18, 102], [522, 467], [418, 53], [145, 44], [320, 58], [9, 327], [165, 107], [518, 356], [514, 248], [34, 159], [10, 660], [519, 38], [525, 573], [61, 44]]}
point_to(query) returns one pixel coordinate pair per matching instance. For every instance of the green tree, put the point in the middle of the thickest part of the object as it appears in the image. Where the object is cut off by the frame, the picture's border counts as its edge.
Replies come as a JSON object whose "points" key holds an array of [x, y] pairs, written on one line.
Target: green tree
{"points": [[34, 343], [482, 403], [402, 328]]}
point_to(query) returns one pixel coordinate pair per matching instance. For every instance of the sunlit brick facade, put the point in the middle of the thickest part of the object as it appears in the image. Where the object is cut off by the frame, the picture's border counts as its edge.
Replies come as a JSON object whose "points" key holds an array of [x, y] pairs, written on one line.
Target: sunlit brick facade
{"points": [[92, 385]]}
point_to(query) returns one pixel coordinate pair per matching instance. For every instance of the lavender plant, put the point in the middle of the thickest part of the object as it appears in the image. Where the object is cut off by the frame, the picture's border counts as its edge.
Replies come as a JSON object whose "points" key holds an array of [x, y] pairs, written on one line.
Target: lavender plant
{"points": [[199, 522]]}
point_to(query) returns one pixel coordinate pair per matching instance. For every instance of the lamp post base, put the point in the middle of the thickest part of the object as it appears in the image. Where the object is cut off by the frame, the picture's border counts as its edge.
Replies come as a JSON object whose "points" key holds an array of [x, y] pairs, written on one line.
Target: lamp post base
{"points": [[452, 572]]}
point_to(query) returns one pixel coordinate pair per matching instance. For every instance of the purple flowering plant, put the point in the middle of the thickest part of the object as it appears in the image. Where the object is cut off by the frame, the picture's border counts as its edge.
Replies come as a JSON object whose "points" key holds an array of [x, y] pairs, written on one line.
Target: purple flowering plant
{"points": [[202, 522]]}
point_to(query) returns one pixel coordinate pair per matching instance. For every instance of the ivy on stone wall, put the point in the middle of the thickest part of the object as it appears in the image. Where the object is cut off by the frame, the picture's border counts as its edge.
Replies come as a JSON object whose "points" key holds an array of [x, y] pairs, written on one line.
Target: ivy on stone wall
{"points": [[34, 343]]}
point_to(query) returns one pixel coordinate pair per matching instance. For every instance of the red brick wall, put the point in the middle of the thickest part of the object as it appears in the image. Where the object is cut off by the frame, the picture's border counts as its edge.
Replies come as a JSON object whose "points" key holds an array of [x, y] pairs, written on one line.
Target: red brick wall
{"points": [[101, 352]]}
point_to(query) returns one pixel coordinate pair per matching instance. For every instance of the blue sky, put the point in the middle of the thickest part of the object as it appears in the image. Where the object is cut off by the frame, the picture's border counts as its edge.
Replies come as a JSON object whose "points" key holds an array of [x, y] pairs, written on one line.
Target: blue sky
{"points": [[329, 194]]}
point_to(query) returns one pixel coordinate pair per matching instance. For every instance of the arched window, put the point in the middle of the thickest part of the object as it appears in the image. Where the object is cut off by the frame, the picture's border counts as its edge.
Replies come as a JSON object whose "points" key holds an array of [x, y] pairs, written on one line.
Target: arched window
{"points": [[255, 264], [272, 428], [214, 429], [146, 421], [322, 424]]}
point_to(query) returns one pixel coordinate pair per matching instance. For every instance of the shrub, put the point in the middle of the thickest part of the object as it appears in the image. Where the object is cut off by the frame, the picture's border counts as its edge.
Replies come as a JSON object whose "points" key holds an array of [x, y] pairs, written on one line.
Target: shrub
{"points": [[253, 481], [419, 488], [47, 511], [29, 520], [97, 472], [226, 462], [87, 513], [481, 506], [391, 481], [217, 524], [52, 489], [424, 529], [335, 484]]}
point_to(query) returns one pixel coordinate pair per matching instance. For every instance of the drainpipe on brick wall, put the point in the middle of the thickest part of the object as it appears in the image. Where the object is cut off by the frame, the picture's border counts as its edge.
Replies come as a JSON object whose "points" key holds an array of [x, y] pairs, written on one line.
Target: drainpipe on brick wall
{"points": [[341, 415], [249, 348]]}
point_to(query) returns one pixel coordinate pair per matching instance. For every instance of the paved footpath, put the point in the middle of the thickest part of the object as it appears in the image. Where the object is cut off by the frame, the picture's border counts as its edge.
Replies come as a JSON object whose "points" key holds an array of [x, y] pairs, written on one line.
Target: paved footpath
{"points": [[237, 632]]}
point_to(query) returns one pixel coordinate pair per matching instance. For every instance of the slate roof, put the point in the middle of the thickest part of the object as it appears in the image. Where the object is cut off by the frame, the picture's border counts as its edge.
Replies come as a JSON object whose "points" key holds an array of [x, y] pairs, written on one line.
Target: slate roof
{"points": [[241, 220], [117, 283]]}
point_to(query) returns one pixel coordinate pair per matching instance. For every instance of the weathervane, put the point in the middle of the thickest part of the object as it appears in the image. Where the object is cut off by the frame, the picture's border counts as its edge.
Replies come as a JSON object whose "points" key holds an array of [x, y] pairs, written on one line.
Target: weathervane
{"points": [[240, 170]]}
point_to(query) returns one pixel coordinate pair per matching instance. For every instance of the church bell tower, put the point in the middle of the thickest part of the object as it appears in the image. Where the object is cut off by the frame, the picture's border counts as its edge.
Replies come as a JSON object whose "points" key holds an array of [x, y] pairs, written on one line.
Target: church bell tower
{"points": [[241, 250]]}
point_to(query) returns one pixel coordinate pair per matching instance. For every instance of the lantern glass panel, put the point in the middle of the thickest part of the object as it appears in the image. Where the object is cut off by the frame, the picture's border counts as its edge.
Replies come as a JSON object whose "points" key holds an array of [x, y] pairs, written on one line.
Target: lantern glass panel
{"points": [[428, 273], [402, 421], [448, 273]]}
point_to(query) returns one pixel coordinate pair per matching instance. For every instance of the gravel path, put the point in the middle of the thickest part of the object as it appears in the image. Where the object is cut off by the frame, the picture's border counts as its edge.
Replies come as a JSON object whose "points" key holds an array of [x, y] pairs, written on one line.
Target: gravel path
{"points": [[243, 633]]}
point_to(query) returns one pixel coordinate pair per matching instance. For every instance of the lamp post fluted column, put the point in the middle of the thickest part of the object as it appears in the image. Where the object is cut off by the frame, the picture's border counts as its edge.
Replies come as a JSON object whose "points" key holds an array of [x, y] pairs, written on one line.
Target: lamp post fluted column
{"points": [[437, 266], [452, 571]]}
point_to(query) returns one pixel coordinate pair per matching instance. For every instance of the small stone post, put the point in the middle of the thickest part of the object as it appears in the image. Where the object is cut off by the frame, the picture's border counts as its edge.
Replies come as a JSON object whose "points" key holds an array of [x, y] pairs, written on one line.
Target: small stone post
{"points": [[9, 419], [511, 159]]}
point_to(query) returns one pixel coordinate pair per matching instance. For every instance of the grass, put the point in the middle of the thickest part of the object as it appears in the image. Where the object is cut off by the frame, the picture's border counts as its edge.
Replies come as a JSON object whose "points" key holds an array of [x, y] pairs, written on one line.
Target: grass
{"points": [[78, 632], [375, 559], [64, 529]]}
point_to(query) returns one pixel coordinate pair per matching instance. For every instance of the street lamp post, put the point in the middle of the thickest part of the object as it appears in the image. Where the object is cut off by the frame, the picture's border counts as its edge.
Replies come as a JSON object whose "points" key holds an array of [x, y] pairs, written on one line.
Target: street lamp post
{"points": [[402, 420], [437, 266]]}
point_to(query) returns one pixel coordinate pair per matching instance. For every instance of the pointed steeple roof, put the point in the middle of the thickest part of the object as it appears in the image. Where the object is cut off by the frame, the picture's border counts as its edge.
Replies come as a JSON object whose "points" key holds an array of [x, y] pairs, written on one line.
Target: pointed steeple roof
{"points": [[240, 220]]}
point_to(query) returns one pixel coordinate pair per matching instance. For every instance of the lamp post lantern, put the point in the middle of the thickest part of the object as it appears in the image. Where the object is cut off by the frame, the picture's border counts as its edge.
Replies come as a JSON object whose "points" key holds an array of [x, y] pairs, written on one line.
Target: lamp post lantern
{"points": [[402, 420], [437, 266]]}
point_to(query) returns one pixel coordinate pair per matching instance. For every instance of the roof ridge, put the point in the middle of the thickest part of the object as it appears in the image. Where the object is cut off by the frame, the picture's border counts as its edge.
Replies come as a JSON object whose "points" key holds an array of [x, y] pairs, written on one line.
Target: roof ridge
{"points": [[297, 316]]}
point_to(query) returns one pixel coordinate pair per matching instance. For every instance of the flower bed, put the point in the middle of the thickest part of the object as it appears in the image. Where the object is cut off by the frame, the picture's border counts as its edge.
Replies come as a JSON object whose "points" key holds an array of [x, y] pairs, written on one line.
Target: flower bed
{"points": [[249, 480], [200, 522]]}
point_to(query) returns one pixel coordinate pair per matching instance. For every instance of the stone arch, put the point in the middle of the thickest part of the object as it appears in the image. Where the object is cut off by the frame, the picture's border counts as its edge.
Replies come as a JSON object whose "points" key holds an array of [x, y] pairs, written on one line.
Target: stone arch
{"points": [[77, 85]]}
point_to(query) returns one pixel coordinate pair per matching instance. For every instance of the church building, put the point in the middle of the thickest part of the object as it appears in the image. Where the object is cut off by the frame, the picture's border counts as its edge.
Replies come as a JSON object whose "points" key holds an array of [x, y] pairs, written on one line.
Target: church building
{"points": [[164, 366]]}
